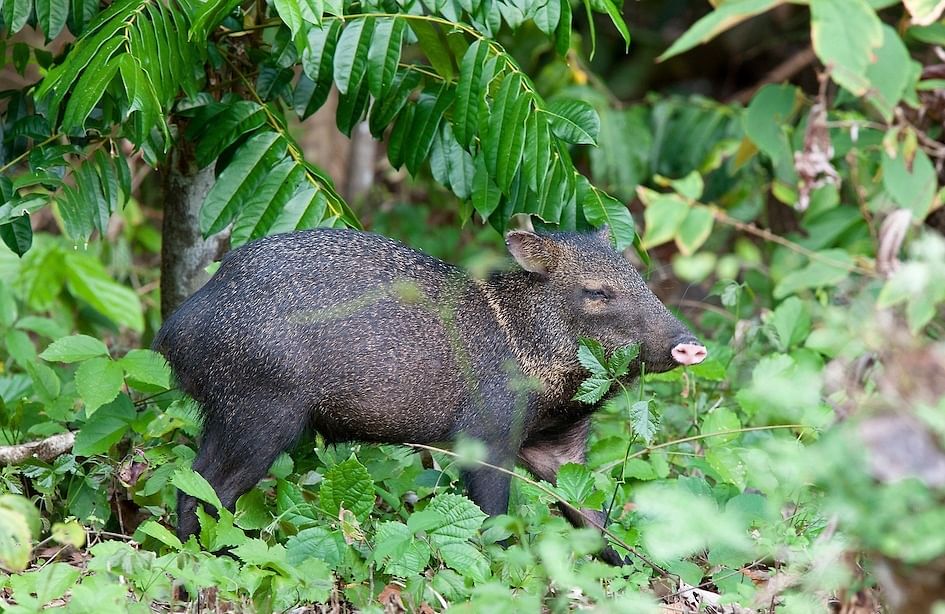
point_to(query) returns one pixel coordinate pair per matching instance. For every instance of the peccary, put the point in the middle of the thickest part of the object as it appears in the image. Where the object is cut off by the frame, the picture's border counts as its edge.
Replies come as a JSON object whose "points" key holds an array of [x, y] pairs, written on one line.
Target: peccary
{"points": [[358, 337]]}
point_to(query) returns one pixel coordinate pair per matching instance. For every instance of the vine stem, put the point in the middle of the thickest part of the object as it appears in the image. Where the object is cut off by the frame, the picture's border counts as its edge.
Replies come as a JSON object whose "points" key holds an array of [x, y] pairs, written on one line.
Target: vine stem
{"points": [[674, 442], [620, 542], [724, 218]]}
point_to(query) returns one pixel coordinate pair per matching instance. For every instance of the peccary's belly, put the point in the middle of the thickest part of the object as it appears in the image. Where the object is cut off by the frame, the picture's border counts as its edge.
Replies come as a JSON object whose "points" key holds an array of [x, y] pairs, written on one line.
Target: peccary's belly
{"points": [[386, 370]]}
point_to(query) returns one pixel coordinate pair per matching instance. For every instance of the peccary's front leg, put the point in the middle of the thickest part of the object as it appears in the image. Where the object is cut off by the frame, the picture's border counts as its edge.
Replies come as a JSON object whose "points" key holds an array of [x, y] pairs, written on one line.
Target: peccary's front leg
{"points": [[544, 454]]}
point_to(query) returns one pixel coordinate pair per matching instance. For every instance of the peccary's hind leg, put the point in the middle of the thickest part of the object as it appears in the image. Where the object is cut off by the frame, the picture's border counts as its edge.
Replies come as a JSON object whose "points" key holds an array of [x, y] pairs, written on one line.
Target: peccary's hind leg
{"points": [[545, 454], [237, 448], [489, 488]]}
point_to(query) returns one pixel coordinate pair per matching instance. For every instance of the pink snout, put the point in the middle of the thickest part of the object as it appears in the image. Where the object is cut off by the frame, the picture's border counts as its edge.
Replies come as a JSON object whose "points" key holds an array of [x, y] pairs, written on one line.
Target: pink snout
{"points": [[689, 353]]}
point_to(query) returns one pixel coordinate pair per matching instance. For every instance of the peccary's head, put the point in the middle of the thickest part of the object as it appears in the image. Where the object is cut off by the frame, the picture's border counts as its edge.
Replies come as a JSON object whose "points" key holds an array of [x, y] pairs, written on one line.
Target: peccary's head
{"points": [[588, 289]]}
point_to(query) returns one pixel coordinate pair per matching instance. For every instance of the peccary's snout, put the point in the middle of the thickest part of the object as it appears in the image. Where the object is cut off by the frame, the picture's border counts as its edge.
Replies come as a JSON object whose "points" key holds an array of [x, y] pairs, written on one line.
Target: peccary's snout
{"points": [[688, 351]]}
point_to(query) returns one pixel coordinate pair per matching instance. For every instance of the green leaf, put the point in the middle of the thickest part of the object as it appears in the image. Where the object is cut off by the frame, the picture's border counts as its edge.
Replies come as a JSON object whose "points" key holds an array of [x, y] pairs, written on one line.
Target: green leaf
{"points": [[350, 59], [351, 108], [719, 420], [461, 519], [312, 11], [452, 166], [16, 13], [435, 47], [105, 428], [262, 209], [91, 86], [845, 36], [404, 555], [47, 583], [46, 383], [306, 209], [318, 65], [663, 216], [600, 209], [17, 234], [51, 15], [474, 74], [503, 139], [924, 12], [547, 15], [486, 196], [536, 157], [611, 8], [348, 485], [384, 54], [195, 485], [832, 267], [593, 390], [88, 280], [160, 533], [791, 322], [575, 484], [912, 186], [727, 15], [769, 111], [574, 121], [427, 115], [239, 180], [98, 381], [74, 349], [291, 14], [591, 356], [694, 229], [316, 542], [645, 423], [386, 108], [147, 367], [621, 358], [887, 75], [467, 560], [237, 119], [15, 539]]}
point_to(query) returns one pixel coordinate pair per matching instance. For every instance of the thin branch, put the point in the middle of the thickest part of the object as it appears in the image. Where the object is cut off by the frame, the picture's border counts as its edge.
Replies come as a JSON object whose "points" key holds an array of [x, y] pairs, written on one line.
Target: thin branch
{"points": [[44, 449]]}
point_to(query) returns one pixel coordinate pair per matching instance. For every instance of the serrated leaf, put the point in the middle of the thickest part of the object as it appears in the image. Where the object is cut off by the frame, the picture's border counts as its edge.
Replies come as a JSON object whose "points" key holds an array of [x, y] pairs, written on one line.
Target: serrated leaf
{"points": [[645, 423], [384, 54], [238, 181], [316, 542], [621, 358], [466, 559], [591, 356], [74, 349], [98, 380], [574, 483], [574, 121], [348, 485], [105, 428], [461, 519], [350, 58], [593, 390]]}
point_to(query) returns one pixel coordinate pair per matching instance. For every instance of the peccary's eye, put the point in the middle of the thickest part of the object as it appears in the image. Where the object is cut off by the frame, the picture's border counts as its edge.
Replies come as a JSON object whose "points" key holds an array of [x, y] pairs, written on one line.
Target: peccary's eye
{"points": [[596, 294]]}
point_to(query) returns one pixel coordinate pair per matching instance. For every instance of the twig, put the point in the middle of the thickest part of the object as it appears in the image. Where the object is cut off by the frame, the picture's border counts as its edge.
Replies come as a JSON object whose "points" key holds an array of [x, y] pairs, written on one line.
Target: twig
{"points": [[782, 72], [44, 449]]}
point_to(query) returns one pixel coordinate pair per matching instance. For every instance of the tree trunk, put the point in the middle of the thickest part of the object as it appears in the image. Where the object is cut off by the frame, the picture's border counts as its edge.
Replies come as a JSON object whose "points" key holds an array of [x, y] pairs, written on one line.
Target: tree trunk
{"points": [[184, 252]]}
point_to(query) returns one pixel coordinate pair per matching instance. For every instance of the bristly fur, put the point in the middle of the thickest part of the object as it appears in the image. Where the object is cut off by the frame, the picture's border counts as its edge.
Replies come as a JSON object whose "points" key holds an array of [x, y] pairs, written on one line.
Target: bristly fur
{"points": [[359, 337]]}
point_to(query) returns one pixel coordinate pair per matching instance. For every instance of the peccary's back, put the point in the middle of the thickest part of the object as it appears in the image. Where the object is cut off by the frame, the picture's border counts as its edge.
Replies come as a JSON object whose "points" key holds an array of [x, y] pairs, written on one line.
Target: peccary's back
{"points": [[372, 339]]}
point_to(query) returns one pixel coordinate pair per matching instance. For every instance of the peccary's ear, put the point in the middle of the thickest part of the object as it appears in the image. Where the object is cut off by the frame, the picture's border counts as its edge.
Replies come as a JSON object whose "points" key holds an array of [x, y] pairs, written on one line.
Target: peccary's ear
{"points": [[532, 252]]}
